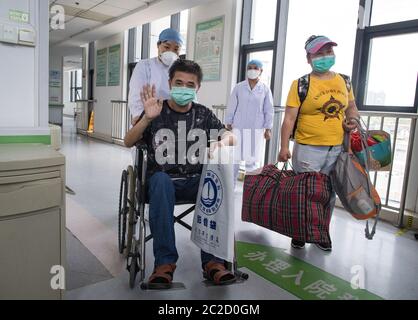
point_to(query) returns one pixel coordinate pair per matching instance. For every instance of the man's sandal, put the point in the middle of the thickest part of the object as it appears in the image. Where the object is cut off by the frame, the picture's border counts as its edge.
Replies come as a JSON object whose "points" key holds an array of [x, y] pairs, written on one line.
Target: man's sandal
{"points": [[162, 279], [218, 274], [162, 274]]}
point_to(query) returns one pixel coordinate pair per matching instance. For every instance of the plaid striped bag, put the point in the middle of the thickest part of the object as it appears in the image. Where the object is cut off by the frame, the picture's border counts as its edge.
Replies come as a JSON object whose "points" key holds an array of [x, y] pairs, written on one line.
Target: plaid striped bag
{"points": [[295, 205]]}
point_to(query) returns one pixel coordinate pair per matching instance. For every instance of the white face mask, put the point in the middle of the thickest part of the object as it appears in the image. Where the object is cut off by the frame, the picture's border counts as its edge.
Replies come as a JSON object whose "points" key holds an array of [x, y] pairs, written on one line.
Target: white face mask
{"points": [[253, 74], [168, 58]]}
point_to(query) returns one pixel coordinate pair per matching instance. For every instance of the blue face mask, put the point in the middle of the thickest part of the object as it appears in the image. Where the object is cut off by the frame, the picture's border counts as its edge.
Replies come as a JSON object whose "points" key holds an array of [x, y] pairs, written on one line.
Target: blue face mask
{"points": [[182, 96], [323, 64]]}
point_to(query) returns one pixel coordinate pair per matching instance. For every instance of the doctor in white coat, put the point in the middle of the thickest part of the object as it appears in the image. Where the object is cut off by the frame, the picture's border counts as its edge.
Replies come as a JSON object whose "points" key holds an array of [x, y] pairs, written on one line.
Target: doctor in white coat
{"points": [[250, 111], [154, 71]]}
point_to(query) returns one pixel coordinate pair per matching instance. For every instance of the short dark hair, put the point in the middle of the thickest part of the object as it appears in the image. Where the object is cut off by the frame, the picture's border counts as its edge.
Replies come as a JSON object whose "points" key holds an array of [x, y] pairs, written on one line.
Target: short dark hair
{"points": [[160, 42], [187, 66]]}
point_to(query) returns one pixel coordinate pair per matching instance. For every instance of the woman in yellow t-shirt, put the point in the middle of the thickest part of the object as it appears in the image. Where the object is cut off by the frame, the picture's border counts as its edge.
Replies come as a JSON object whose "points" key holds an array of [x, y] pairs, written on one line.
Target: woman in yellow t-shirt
{"points": [[320, 118]]}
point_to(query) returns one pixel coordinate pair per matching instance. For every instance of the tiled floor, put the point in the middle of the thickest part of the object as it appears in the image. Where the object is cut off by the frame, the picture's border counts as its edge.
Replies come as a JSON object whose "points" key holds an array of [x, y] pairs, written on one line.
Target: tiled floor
{"points": [[83, 268], [93, 172]]}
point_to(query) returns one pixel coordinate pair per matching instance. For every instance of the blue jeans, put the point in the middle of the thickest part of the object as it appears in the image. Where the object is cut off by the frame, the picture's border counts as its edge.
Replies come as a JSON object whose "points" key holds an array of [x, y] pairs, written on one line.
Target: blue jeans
{"points": [[162, 194]]}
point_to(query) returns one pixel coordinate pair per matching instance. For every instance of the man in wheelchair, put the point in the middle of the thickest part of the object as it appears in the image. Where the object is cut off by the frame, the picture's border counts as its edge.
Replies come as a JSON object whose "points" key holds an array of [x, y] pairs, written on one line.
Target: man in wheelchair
{"points": [[175, 160]]}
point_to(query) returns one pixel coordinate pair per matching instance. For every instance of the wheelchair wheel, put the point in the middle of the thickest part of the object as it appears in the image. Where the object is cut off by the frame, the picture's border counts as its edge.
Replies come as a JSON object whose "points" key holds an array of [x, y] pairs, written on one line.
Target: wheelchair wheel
{"points": [[123, 210], [131, 209], [133, 268]]}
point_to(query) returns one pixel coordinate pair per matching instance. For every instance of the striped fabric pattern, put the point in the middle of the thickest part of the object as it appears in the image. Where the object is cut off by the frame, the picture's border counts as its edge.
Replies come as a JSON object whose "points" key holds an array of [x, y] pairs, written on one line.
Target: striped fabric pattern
{"points": [[317, 43], [295, 205]]}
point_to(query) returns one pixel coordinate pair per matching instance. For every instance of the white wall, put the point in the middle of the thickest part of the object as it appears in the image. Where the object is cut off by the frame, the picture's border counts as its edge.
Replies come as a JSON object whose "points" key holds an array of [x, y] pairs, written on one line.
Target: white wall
{"points": [[24, 74], [217, 92], [103, 95]]}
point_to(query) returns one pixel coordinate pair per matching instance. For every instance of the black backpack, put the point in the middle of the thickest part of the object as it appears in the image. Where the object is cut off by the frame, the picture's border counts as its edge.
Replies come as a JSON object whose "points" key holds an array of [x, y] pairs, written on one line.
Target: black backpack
{"points": [[303, 88]]}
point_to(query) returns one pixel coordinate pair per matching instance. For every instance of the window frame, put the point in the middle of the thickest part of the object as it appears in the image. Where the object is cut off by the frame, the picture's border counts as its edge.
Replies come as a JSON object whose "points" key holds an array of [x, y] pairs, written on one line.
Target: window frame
{"points": [[75, 91], [246, 48], [364, 38], [381, 24]]}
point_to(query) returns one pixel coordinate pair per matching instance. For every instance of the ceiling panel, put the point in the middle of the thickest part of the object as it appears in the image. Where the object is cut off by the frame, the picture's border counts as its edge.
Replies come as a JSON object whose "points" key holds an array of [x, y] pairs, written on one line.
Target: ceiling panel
{"points": [[96, 5], [83, 14], [126, 4], [82, 4], [95, 16], [72, 27], [110, 10]]}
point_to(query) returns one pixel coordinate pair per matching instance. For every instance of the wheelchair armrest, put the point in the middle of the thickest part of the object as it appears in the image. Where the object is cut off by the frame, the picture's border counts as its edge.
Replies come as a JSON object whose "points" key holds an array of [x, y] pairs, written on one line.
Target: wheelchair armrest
{"points": [[141, 145], [141, 164], [141, 154]]}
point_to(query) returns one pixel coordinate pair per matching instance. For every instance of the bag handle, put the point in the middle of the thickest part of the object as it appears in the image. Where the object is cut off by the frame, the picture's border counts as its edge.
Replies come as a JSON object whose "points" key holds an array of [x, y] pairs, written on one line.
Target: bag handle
{"points": [[369, 235], [281, 171], [347, 135], [363, 136], [361, 125], [284, 165], [283, 168], [347, 142]]}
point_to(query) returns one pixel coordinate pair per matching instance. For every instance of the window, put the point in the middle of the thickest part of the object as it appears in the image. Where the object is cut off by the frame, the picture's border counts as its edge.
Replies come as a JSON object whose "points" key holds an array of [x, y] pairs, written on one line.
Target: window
{"points": [[138, 44], [388, 11], [307, 17], [387, 81], [75, 85], [391, 194], [258, 41], [263, 20], [184, 23], [156, 27], [259, 37], [393, 66]]}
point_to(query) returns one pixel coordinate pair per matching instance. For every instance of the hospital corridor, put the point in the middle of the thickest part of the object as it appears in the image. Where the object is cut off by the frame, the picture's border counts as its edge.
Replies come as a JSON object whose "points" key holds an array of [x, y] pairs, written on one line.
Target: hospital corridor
{"points": [[96, 271], [221, 153]]}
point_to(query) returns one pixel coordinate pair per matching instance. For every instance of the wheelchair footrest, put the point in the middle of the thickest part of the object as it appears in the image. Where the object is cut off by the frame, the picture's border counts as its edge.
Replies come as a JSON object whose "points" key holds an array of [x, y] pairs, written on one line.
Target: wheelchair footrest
{"points": [[239, 278], [162, 286], [241, 275], [209, 283]]}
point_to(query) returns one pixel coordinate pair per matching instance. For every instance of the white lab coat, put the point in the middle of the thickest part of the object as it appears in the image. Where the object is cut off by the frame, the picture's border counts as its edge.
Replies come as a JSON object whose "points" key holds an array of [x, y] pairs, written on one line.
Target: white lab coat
{"points": [[149, 71], [251, 110]]}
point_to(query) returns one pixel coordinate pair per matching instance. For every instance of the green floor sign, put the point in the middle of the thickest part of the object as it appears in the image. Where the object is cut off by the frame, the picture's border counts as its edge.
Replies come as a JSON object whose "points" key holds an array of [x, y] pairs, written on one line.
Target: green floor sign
{"points": [[296, 276]]}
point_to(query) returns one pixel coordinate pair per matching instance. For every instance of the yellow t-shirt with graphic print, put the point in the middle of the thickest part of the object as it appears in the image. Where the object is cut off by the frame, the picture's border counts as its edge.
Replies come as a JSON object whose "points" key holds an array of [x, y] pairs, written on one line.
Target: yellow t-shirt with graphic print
{"points": [[321, 117]]}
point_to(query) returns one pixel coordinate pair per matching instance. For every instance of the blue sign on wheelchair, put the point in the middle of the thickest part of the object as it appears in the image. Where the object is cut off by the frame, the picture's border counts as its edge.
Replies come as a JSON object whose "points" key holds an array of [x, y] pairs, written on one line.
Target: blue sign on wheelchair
{"points": [[211, 197]]}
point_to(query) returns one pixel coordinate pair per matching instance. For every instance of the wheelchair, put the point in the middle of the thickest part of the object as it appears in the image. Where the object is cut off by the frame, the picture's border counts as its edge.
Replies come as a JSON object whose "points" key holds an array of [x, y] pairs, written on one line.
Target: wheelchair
{"points": [[132, 237]]}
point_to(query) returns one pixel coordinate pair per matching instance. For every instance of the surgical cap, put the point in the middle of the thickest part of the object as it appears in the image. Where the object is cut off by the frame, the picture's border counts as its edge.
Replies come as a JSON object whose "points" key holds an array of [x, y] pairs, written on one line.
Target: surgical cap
{"points": [[170, 35]]}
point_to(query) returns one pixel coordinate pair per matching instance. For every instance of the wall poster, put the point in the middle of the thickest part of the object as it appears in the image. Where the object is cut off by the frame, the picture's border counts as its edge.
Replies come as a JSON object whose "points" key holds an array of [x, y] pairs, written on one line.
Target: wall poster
{"points": [[208, 47]]}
